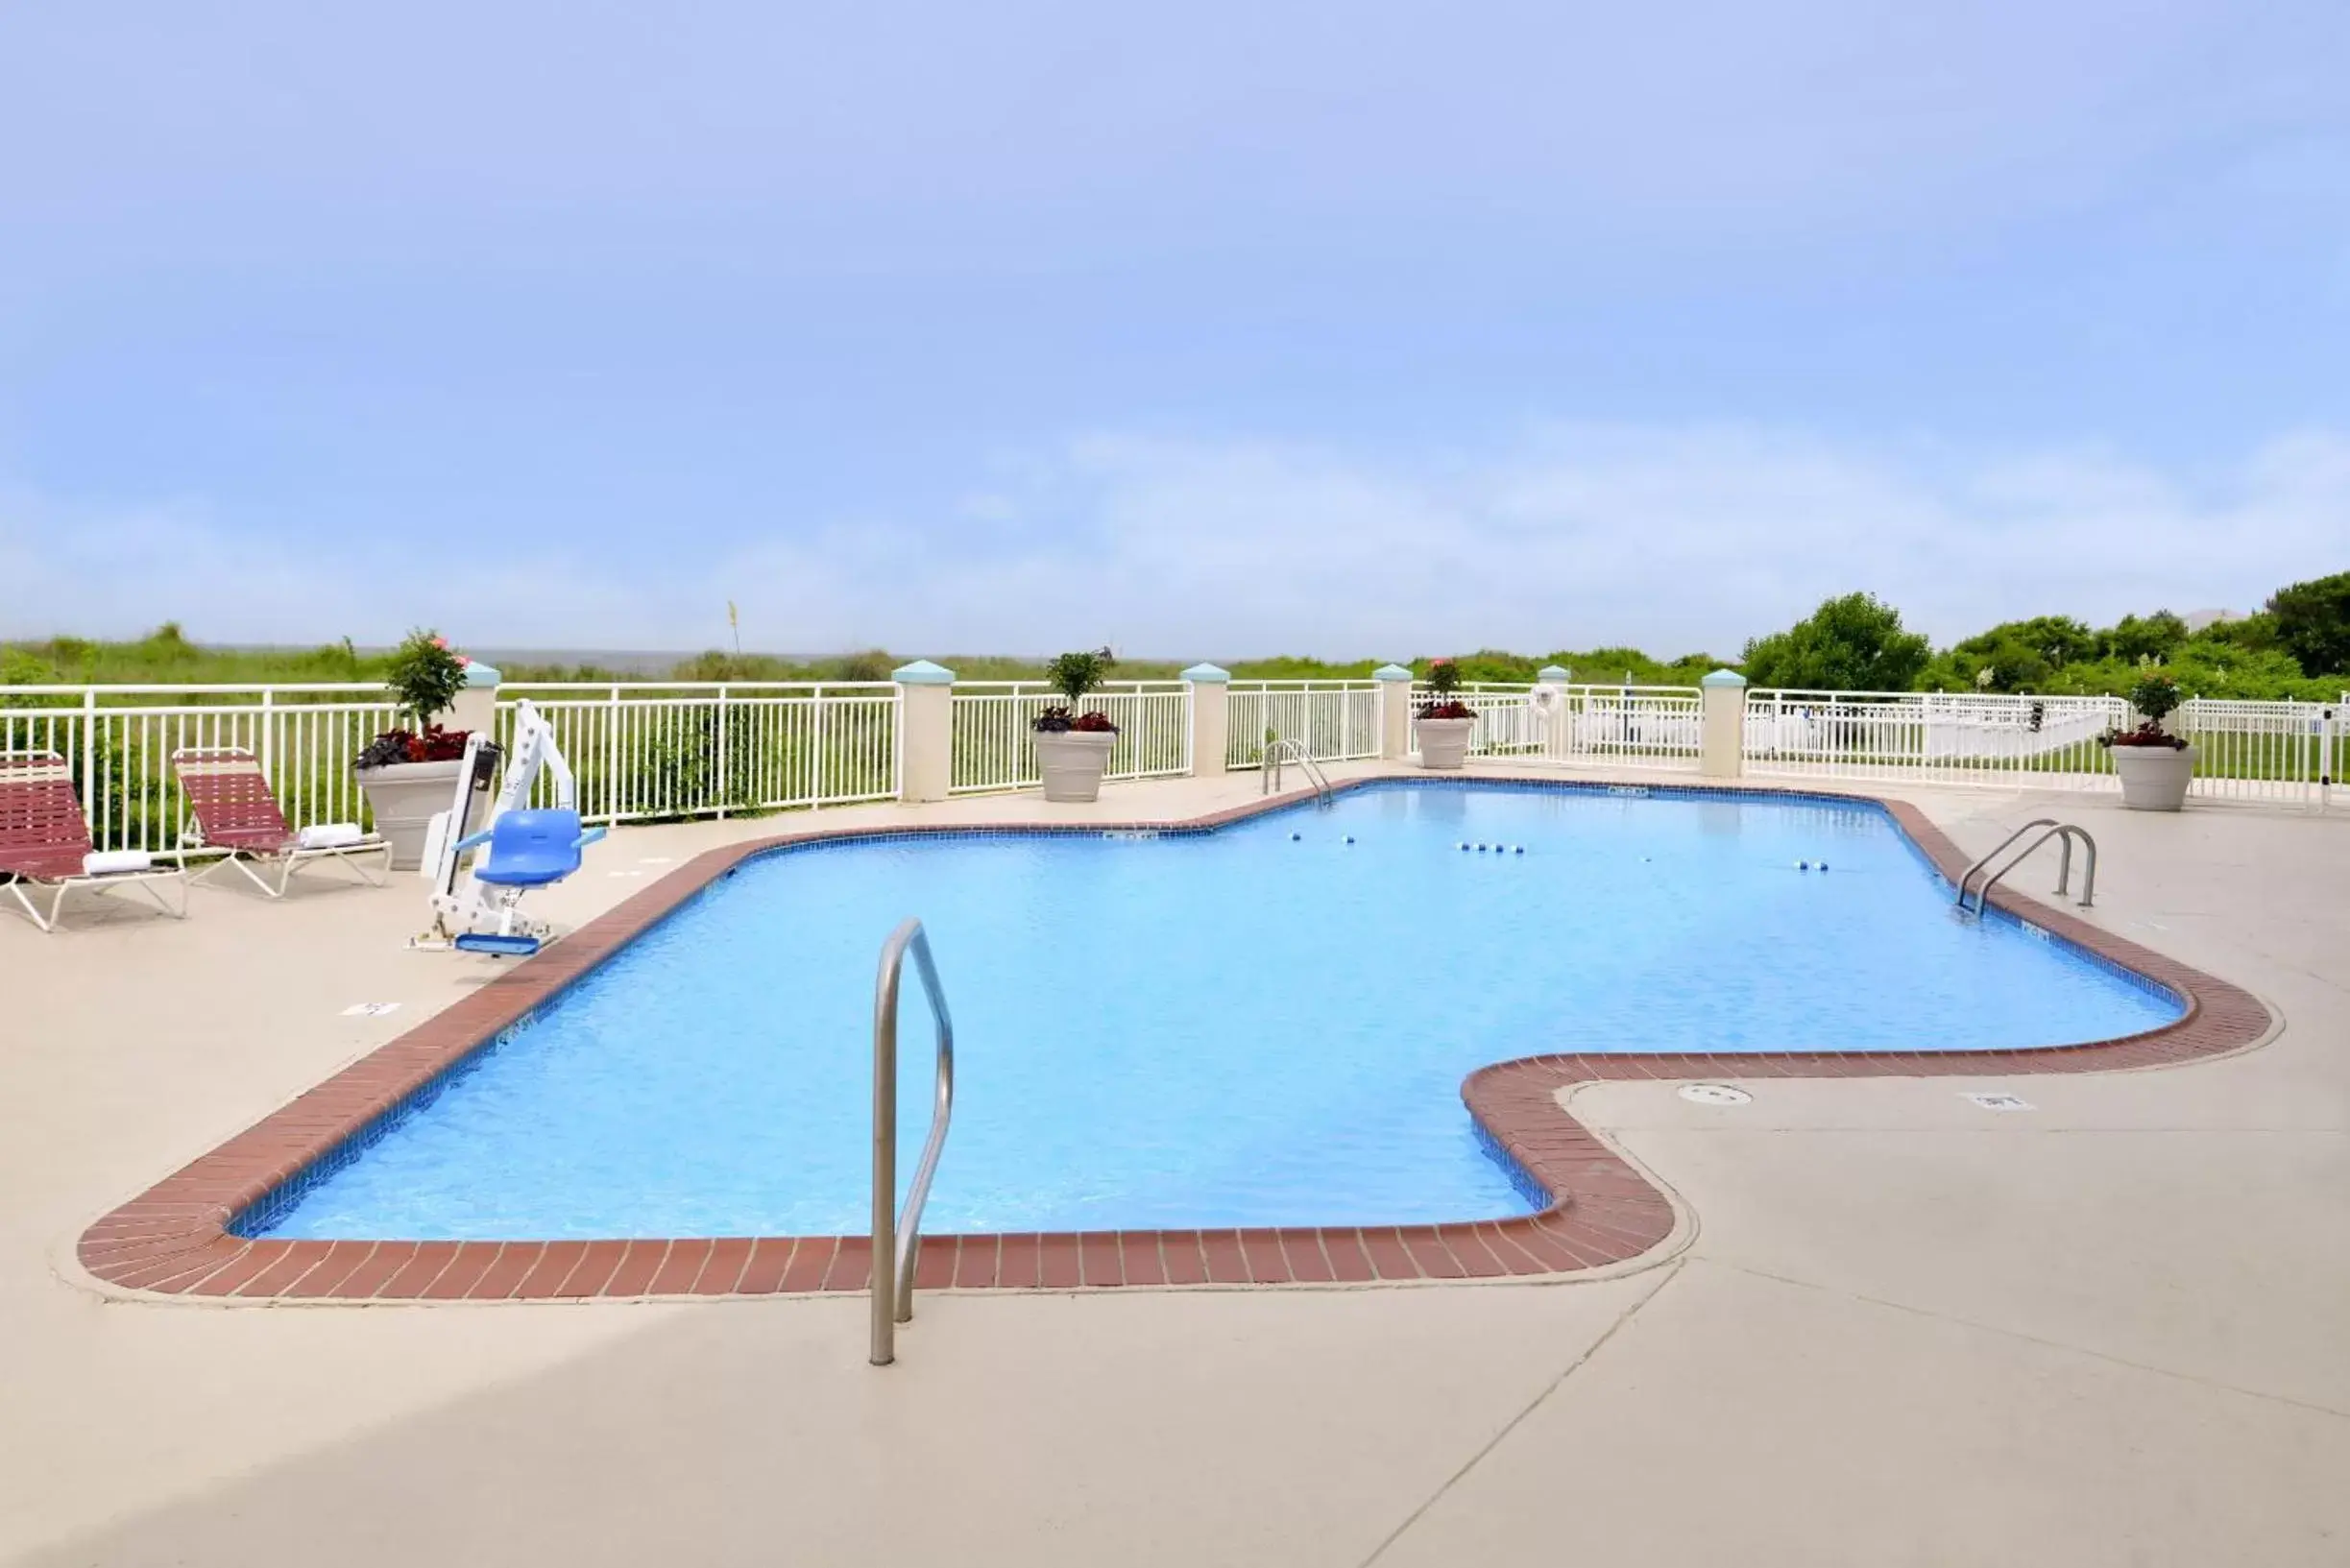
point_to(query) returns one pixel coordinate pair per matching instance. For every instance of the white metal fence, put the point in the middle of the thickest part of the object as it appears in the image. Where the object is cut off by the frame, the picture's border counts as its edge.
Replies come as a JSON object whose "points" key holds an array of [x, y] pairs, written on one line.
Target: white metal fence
{"points": [[2294, 752], [2290, 753], [994, 742], [119, 739], [642, 751], [2049, 742], [1631, 726], [1335, 721], [637, 751]]}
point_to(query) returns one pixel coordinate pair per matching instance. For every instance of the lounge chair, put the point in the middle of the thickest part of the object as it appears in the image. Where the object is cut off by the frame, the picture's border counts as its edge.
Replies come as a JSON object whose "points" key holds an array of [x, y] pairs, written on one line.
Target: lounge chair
{"points": [[237, 817], [45, 842]]}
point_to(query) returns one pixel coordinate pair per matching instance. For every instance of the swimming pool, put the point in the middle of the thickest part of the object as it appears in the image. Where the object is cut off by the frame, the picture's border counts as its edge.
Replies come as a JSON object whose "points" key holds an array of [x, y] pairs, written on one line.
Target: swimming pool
{"points": [[1264, 1024]]}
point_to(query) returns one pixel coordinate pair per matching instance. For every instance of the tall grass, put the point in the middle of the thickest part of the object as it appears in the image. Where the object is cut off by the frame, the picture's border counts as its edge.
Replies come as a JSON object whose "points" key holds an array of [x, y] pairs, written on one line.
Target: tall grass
{"points": [[168, 657]]}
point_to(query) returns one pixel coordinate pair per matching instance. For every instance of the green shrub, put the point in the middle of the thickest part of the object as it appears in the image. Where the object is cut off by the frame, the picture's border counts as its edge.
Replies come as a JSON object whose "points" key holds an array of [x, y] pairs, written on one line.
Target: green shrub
{"points": [[424, 677], [1074, 674], [2155, 696]]}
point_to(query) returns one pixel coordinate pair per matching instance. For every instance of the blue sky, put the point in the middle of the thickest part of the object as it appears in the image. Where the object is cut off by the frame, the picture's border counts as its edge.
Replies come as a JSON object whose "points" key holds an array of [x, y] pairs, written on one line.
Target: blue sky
{"points": [[1222, 329]]}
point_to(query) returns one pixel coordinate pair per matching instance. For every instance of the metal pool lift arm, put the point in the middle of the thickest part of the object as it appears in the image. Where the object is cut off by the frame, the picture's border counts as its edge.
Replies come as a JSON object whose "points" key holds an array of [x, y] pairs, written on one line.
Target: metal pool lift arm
{"points": [[461, 900]]}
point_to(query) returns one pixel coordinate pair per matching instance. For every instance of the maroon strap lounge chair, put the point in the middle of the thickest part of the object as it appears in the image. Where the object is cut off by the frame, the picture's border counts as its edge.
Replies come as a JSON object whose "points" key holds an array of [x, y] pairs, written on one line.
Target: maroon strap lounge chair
{"points": [[238, 817], [45, 842]]}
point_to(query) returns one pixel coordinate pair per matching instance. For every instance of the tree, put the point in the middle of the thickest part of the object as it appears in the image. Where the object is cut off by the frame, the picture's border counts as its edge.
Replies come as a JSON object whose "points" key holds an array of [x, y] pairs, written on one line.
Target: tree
{"points": [[2133, 640], [1074, 674], [2255, 633], [1855, 643], [425, 676], [2014, 656], [2313, 622]]}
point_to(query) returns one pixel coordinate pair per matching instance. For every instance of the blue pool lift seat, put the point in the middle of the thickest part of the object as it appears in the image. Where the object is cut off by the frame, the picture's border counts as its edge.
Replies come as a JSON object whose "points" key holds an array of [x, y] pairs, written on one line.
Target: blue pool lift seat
{"points": [[532, 849]]}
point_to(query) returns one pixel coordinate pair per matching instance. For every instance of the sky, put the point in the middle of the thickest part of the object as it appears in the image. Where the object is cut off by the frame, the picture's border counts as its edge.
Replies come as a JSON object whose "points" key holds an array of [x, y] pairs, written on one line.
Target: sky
{"points": [[1365, 329]]}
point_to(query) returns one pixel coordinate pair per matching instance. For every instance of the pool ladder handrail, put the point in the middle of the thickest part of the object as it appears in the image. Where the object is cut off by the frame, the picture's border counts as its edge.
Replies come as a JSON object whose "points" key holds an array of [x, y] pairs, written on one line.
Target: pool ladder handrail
{"points": [[2064, 833], [897, 1235], [1268, 770]]}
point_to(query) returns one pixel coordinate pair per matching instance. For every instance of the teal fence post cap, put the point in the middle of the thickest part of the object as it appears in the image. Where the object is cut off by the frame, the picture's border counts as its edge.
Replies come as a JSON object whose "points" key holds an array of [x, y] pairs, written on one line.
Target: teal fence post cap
{"points": [[1724, 677], [1552, 672], [1207, 675], [477, 673], [922, 672], [1390, 672]]}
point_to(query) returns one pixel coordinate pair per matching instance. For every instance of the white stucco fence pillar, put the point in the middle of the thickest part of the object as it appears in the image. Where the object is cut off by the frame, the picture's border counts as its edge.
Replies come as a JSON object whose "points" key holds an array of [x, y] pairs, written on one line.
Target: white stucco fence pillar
{"points": [[474, 706], [926, 731], [1721, 740], [1394, 711], [1210, 689]]}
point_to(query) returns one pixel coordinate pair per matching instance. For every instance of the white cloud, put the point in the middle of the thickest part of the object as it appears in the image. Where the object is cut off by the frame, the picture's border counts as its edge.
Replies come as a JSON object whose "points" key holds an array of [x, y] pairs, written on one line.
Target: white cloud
{"points": [[1670, 539]]}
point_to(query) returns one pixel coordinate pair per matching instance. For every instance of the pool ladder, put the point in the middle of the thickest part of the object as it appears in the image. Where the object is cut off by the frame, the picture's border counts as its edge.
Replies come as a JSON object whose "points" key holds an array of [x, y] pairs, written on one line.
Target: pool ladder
{"points": [[1268, 770], [897, 1235], [2064, 833]]}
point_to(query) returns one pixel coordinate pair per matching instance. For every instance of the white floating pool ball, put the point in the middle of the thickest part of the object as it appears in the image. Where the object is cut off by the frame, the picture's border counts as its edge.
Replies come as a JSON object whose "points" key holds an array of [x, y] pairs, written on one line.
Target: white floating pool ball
{"points": [[1520, 850], [1350, 838], [1295, 837], [1803, 865]]}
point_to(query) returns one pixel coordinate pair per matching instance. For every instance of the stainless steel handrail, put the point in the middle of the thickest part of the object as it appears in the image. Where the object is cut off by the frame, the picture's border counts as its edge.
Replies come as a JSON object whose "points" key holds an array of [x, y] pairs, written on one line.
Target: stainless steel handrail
{"points": [[1269, 769], [1967, 875], [2064, 833], [897, 1236]]}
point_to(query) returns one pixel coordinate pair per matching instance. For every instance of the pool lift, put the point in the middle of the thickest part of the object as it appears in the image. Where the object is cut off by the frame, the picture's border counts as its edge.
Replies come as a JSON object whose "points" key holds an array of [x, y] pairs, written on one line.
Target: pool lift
{"points": [[475, 900]]}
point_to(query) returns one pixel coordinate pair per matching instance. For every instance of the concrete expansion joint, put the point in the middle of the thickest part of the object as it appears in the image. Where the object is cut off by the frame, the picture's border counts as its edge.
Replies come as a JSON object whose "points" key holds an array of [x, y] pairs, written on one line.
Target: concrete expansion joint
{"points": [[1665, 1276], [2069, 1346]]}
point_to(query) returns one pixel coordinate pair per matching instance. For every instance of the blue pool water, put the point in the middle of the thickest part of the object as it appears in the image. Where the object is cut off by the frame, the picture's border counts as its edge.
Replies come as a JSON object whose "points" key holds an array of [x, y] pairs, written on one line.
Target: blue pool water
{"points": [[1236, 1028]]}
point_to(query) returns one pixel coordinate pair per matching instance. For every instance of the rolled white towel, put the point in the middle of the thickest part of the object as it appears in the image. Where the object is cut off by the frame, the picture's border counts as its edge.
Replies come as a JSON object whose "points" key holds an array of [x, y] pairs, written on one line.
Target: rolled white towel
{"points": [[107, 863], [329, 835]]}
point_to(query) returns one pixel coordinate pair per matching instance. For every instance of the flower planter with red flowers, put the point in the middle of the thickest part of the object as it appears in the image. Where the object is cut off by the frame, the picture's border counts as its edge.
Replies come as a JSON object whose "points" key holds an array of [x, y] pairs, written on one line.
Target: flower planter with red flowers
{"points": [[2154, 765], [407, 775], [1073, 749], [1446, 725]]}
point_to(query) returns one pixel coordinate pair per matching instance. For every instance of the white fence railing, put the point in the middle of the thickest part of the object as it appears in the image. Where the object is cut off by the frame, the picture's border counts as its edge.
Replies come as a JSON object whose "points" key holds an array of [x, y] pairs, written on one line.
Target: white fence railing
{"points": [[637, 751], [994, 744], [1629, 725], [119, 740], [2294, 753], [644, 750], [640, 752], [2049, 742], [2291, 753], [1335, 721]]}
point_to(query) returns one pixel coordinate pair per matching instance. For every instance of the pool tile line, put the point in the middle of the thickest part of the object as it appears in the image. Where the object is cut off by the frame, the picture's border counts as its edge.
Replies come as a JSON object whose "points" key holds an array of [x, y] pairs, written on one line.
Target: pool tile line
{"points": [[175, 1239]]}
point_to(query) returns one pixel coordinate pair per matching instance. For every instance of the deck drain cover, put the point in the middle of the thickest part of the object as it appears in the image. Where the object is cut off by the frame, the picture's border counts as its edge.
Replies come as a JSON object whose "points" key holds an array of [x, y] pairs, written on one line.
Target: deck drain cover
{"points": [[1999, 1102], [1714, 1094]]}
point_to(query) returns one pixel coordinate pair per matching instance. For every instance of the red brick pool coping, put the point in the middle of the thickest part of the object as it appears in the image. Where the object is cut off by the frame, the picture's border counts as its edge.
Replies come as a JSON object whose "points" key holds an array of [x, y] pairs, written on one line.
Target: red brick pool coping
{"points": [[173, 1239]]}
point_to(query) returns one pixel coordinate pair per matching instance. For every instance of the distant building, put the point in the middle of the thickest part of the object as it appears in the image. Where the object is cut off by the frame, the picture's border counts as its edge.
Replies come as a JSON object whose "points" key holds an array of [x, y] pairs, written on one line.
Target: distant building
{"points": [[2197, 619]]}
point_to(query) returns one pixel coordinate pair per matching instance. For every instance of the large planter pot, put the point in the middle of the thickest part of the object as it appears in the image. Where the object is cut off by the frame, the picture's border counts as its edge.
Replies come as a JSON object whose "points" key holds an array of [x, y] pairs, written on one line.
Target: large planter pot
{"points": [[2154, 778], [405, 796], [1072, 762], [1443, 742]]}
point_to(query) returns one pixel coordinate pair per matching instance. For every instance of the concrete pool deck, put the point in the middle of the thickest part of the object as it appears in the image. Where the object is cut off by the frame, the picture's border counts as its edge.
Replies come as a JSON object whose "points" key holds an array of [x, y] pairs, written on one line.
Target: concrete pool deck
{"points": [[1900, 1327]]}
